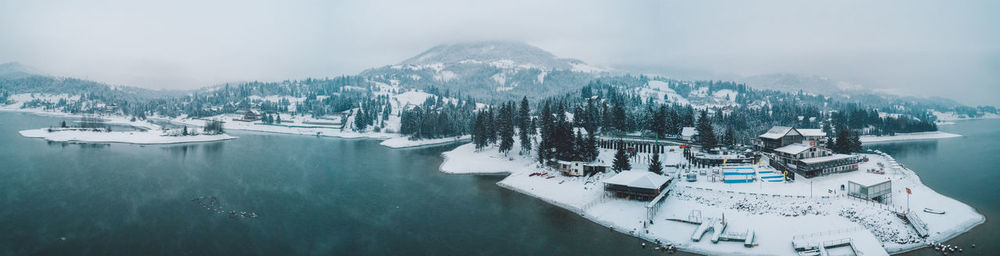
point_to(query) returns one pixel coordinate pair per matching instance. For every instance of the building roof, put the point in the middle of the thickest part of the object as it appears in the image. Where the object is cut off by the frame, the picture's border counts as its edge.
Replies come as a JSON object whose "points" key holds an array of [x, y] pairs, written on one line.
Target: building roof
{"points": [[869, 180], [821, 159], [688, 131], [638, 179], [777, 132], [812, 132], [793, 148]]}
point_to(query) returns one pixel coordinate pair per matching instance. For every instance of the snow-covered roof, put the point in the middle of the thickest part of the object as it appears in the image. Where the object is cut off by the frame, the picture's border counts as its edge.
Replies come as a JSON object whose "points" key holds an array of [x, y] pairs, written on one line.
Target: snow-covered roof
{"points": [[777, 132], [793, 148], [688, 131], [812, 132], [821, 159], [869, 180], [638, 179]]}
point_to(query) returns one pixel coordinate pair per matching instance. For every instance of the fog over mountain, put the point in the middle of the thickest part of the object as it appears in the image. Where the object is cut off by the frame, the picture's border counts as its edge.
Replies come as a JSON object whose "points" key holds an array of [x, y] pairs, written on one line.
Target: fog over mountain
{"points": [[920, 48]]}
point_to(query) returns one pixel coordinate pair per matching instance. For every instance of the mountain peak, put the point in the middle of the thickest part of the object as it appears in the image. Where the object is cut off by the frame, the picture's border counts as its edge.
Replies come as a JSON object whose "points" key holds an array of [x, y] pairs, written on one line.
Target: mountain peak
{"points": [[518, 53]]}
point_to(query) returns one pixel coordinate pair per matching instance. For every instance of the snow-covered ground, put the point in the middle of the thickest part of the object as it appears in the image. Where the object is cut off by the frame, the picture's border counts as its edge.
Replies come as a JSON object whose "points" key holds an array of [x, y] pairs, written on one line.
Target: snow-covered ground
{"points": [[133, 137], [777, 212], [290, 123], [909, 136], [146, 133], [952, 116], [404, 142]]}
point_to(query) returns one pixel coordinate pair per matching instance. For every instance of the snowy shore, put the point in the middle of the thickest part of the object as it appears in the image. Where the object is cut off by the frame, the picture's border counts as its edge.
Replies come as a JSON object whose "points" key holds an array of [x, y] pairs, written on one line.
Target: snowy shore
{"points": [[776, 212], [294, 125], [909, 136], [404, 142], [131, 137]]}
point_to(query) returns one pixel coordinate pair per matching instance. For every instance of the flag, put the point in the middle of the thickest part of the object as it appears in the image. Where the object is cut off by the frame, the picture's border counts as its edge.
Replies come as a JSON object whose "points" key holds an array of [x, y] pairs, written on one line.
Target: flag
{"points": [[908, 191]]}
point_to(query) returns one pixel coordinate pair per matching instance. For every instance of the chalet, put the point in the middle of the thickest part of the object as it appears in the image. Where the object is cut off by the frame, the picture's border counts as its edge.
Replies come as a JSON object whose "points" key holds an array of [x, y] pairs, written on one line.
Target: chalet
{"points": [[249, 116], [639, 185], [803, 152], [810, 161], [776, 137], [813, 137], [796, 152]]}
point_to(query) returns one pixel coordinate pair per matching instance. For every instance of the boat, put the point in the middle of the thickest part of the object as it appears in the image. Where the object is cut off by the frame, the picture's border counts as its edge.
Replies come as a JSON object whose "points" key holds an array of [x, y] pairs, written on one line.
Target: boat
{"points": [[934, 211]]}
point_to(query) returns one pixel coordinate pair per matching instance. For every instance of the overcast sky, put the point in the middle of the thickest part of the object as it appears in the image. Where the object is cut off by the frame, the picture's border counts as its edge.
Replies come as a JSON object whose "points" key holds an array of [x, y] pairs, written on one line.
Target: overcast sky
{"points": [[940, 48]]}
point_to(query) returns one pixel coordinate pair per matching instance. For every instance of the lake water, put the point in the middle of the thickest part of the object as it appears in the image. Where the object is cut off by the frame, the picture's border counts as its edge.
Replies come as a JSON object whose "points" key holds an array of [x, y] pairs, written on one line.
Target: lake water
{"points": [[964, 169], [313, 196], [334, 196]]}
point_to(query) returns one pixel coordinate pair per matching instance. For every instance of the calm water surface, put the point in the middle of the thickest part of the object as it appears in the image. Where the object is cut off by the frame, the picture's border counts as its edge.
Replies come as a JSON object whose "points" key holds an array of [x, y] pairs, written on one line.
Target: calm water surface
{"points": [[333, 196], [313, 196], [965, 169]]}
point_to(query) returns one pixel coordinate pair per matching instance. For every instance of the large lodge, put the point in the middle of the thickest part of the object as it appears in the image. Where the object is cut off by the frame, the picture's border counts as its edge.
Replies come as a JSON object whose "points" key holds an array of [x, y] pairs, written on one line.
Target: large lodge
{"points": [[803, 152]]}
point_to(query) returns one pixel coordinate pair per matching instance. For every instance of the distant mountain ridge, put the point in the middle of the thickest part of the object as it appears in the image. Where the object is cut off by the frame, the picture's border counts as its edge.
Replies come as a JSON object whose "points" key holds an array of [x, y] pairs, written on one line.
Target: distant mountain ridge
{"points": [[503, 70], [489, 69], [499, 52]]}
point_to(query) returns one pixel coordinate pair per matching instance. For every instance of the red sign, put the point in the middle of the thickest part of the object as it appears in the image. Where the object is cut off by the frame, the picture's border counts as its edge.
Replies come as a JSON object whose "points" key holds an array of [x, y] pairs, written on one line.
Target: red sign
{"points": [[908, 191]]}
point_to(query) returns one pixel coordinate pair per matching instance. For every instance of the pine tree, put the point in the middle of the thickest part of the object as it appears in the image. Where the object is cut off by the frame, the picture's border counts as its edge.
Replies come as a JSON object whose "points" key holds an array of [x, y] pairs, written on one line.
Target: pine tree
{"points": [[591, 117], [730, 137], [843, 140], [579, 147], [855, 145], [591, 148], [546, 122], [705, 133], [479, 130], [491, 127], [621, 161], [659, 121], [654, 164], [506, 127], [523, 124]]}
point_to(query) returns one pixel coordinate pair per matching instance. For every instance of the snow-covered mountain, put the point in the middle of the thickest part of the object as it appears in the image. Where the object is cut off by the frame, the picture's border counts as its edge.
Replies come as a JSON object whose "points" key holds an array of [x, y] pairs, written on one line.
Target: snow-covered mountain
{"points": [[490, 70], [504, 54]]}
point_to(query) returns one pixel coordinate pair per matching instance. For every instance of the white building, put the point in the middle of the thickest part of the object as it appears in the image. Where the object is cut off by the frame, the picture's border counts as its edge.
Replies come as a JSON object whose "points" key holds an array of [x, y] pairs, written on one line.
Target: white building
{"points": [[578, 168]]}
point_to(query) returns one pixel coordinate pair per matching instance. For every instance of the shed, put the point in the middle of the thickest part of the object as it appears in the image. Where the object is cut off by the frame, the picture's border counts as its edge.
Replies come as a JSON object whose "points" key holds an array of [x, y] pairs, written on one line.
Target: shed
{"points": [[688, 133], [641, 185], [876, 189]]}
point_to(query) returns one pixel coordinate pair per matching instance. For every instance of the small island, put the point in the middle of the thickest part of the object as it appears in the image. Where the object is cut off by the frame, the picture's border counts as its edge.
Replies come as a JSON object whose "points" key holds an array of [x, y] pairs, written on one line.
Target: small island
{"points": [[99, 130]]}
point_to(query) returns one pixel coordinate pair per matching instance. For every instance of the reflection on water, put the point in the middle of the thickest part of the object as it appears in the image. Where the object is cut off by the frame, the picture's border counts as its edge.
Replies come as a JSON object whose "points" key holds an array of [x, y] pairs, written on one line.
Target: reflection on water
{"points": [[909, 149], [63, 144], [182, 150]]}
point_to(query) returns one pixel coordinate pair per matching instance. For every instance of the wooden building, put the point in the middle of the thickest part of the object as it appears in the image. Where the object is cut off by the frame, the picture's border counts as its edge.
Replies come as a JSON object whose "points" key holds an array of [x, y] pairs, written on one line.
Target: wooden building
{"points": [[639, 185]]}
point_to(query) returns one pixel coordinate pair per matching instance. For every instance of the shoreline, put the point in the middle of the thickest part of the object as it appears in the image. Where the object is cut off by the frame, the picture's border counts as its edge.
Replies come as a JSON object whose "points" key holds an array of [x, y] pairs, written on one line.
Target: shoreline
{"points": [[961, 218], [870, 139], [299, 131], [135, 138]]}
